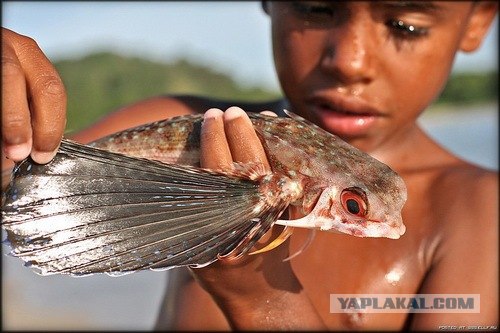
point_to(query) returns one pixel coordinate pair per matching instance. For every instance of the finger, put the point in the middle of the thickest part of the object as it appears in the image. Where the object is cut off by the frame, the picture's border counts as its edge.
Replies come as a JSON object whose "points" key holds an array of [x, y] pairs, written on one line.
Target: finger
{"points": [[214, 152], [48, 99], [243, 142], [16, 122], [48, 118]]}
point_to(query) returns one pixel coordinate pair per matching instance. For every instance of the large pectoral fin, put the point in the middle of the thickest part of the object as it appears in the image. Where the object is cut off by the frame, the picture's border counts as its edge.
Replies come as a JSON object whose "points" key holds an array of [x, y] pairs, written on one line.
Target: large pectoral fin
{"points": [[91, 211]]}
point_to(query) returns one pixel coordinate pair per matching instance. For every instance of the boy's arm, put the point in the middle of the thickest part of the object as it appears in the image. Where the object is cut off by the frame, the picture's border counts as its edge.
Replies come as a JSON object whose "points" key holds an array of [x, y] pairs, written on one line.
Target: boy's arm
{"points": [[186, 306]]}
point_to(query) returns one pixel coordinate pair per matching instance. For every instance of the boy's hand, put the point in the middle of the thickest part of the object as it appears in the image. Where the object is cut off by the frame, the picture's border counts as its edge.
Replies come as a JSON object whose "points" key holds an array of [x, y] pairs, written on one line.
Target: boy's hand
{"points": [[228, 137], [33, 101]]}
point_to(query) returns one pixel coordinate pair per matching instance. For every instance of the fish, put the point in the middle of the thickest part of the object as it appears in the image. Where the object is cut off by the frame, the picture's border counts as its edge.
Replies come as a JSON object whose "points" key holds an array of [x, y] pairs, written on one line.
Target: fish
{"points": [[138, 199]]}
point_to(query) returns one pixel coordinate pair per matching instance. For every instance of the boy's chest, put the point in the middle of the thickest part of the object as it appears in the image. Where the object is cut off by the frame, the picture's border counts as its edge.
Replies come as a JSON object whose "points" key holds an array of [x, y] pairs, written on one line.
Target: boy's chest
{"points": [[340, 264]]}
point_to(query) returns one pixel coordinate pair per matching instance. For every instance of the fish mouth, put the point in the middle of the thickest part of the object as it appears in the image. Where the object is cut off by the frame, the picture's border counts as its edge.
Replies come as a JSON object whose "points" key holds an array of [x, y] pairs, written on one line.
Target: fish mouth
{"points": [[372, 229], [344, 116]]}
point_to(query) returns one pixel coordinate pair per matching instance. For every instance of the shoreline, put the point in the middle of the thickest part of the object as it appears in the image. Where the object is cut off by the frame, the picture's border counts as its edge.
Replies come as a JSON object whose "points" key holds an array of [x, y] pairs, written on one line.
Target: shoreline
{"points": [[442, 114]]}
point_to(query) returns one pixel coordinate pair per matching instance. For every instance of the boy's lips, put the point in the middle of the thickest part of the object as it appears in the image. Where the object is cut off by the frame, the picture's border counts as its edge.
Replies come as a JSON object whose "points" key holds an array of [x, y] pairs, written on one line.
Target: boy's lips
{"points": [[343, 116]]}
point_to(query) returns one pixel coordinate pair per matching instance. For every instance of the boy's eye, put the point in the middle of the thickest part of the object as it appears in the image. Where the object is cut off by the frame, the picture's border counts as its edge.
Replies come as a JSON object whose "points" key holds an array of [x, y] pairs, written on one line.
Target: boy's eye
{"points": [[402, 29]]}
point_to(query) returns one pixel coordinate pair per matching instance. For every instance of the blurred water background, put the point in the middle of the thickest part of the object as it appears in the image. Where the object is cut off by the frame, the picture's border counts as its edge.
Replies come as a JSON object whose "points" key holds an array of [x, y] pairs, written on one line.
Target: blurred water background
{"points": [[184, 35], [470, 133]]}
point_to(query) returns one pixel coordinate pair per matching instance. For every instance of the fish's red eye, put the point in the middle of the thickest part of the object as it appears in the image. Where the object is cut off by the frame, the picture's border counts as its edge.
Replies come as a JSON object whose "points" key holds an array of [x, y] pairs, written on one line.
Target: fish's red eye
{"points": [[354, 201]]}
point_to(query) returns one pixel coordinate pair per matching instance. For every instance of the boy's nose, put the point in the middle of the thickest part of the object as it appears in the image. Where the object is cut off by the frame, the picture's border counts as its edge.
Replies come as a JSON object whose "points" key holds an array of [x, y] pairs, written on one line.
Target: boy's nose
{"points": [[349, 53]]}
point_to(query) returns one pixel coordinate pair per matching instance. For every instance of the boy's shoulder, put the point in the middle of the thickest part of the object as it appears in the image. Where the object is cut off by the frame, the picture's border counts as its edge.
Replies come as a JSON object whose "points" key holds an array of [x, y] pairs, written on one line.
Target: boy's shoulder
{"points": [[173, 105], [201, 103], [467, 184], [464, 191], [163, 107], [464, 205]]}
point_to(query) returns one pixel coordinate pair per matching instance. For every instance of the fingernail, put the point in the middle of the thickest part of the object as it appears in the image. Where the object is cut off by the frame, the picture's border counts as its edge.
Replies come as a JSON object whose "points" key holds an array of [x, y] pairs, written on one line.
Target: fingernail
{"points": [[43, 157], [233, 112], [212, 114], [18, 152]]}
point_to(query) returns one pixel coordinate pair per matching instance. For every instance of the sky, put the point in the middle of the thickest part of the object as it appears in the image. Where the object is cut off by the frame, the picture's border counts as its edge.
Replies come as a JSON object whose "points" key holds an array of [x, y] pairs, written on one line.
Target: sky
{"points": [[231, 36]]}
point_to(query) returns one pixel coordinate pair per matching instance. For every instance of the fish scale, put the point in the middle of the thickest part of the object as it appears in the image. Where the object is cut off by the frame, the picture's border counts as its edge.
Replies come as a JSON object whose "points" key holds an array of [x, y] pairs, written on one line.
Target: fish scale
{"points": [[137, 199]]}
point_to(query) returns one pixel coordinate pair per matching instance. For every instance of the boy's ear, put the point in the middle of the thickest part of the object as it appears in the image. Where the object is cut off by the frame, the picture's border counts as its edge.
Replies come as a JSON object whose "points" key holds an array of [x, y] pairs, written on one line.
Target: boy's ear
{"points": [[480, 21]]}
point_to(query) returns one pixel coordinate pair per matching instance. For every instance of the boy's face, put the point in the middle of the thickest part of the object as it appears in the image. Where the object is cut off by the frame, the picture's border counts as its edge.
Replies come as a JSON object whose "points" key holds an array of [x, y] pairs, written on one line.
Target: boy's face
{"points": [[366, 70]]}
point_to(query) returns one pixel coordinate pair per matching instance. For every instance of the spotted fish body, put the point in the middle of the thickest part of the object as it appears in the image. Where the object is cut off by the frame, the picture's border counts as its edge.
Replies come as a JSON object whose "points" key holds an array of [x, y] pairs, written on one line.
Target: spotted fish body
{"points": [[137, 199]]}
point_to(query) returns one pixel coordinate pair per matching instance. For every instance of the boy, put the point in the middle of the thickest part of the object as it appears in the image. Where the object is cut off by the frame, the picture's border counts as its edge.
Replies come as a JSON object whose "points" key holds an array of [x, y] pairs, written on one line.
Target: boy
{"points": [[364, 71]]}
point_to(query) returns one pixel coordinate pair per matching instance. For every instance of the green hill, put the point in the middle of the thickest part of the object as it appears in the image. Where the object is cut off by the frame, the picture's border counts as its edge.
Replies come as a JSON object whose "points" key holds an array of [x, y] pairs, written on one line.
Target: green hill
{"points": [[102, 82], [471, 88]]}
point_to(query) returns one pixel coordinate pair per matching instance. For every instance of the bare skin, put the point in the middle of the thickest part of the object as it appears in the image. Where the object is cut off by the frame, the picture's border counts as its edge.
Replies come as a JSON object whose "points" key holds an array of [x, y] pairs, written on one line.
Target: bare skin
{"points": [[365, 63]]}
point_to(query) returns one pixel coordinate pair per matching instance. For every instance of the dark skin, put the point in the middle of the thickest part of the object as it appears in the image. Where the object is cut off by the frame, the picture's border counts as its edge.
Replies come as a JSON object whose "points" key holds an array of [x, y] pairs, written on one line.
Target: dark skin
{"points": [[359, 71]]}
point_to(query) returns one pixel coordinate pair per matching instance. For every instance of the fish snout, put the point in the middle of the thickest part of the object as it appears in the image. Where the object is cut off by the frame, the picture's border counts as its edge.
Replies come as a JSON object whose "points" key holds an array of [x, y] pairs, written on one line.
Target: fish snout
{"points": [[389, 226], [396, 232]]}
